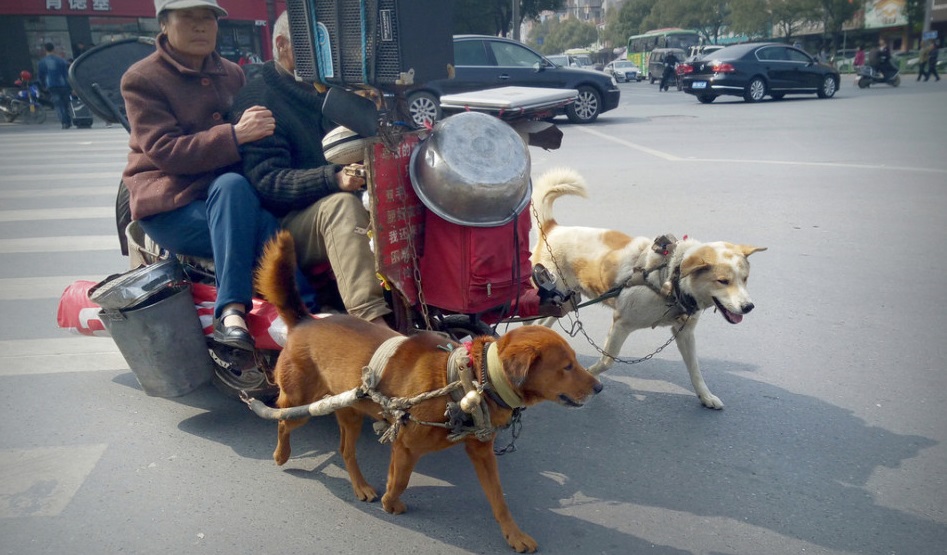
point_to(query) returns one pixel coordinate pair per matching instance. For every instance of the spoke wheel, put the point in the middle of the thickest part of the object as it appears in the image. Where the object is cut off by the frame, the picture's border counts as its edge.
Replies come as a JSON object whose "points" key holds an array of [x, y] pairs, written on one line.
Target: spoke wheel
{"points": [[424, 109], [461, 327], [587, 106], [828, 88], [755, 90]]}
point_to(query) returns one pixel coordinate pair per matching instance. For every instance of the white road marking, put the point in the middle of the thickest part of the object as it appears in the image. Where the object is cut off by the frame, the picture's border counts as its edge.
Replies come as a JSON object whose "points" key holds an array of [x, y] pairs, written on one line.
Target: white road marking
{"points": [[59, 244], [31, 288], [672, 158], [75, 213], [78, 353]]}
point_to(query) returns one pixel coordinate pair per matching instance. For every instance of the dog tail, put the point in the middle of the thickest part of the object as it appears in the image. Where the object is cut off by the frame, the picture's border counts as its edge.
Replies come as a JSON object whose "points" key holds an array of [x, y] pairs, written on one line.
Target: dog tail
{"points": [[551, 185], [275, 279]]}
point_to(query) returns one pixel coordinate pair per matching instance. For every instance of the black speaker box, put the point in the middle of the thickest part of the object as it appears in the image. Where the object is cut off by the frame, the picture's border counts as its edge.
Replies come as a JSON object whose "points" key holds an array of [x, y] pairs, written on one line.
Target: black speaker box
{"points": [[382, 43]]}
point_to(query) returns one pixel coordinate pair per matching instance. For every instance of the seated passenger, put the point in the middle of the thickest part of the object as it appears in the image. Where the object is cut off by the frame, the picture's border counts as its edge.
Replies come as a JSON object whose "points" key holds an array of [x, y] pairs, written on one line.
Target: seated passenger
{"points": [[316, 201], [180, 190]]}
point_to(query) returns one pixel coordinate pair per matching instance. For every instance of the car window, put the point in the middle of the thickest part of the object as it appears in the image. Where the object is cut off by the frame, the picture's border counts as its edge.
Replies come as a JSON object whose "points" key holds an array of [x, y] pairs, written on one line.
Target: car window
{"points": [[797, 56], [508, 54], [470, 53], [772, 53]]}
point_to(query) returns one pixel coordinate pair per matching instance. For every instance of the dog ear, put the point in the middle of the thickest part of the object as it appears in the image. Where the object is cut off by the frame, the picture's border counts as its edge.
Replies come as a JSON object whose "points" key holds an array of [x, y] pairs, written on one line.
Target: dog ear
{"points": [[747, 250], [517, 364], [692, 264]]}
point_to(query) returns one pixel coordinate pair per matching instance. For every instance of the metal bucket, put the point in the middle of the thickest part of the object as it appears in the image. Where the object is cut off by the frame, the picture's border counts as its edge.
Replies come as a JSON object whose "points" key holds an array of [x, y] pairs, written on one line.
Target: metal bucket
{"points": [[163, 343]]}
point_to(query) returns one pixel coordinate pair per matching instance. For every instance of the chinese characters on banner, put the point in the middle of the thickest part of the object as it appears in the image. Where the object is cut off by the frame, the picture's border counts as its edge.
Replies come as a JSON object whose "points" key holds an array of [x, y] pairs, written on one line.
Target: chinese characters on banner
{"points": [[79, 5], [397, 216]]}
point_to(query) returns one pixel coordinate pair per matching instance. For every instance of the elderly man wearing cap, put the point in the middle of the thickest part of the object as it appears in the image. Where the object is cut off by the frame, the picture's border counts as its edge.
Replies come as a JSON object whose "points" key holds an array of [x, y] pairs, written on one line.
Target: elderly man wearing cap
{"points": [[178, 101], [313, 198]]}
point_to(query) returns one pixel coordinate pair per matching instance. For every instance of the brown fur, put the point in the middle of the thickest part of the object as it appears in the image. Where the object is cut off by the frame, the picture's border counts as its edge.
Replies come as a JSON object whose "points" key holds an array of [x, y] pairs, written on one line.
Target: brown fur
{"points": [[326, 356]]}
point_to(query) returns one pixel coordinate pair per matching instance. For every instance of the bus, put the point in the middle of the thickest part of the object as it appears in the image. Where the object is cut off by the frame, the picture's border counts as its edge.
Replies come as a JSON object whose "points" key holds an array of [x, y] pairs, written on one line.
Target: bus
{"points": [[639, 46]]}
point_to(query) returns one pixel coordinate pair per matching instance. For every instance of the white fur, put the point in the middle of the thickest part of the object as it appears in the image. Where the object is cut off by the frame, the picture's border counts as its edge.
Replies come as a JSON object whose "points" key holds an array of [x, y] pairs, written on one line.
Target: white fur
{"points": [[594, 260]]}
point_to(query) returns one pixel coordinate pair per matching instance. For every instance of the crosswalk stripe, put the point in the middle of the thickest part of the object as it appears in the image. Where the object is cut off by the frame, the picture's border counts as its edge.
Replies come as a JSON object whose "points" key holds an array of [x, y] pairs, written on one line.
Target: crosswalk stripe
{"points": [[53, 356], [76, 213], [31, 288], [68, 192], [59, 244], [60, 177]]}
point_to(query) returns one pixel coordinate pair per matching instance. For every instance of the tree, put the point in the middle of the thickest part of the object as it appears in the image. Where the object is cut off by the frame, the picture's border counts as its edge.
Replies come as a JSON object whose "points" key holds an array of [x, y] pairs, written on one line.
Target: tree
{"points": [[709, 17], [752, 18], [789, 16], [628, 21], [494, 17], [566, 34], [834, 14]]}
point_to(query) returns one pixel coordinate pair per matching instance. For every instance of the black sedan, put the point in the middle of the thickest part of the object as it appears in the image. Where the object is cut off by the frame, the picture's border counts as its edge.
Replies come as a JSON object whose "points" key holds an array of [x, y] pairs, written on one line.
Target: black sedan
{"points": [[486, 62], [757, 70]]}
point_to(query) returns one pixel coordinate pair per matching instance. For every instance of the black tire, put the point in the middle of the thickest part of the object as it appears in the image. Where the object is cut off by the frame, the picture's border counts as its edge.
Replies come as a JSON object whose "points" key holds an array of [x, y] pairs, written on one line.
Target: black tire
{"points": [[706, 98], [896, 81], [236, 372], [755, 90], [587, 106], [423, 108], [828, 88], [461, 327], [650, 76], [864, 82], [777, 96], [37, 115]]}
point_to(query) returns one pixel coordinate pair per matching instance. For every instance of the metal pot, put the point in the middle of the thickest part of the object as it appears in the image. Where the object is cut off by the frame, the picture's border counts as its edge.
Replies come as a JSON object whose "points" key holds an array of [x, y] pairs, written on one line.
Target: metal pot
{"points": [[473, 170]]}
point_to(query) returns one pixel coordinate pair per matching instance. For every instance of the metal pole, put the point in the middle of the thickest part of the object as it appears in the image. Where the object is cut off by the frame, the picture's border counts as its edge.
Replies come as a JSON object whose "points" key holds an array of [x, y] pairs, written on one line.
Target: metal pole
{"points": [[516, 20], [928, 8]]}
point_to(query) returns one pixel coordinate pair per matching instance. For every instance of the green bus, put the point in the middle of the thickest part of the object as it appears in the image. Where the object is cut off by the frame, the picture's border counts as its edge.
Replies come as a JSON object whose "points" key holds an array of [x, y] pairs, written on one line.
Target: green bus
{"points": [[639, 46]]}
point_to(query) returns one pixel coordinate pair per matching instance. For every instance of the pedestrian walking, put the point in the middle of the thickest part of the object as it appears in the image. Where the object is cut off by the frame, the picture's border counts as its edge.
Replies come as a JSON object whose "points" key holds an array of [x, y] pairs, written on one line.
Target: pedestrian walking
{"points": [[932, 62], [53, 71], [922, 58]]}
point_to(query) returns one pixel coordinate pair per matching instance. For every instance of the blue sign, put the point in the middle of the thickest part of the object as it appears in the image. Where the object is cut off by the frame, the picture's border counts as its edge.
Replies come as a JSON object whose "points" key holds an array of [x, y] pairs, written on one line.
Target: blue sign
{"points": [[929, 35]]}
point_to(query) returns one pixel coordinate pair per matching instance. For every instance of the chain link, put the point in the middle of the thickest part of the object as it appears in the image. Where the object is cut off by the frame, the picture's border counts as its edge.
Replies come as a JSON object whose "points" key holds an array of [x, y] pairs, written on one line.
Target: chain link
{"points": [[577, 326]]}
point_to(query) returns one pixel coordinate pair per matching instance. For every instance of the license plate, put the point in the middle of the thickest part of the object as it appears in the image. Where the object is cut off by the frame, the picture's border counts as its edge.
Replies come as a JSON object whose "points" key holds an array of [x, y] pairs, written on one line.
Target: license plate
{"points": [[699, 85]]}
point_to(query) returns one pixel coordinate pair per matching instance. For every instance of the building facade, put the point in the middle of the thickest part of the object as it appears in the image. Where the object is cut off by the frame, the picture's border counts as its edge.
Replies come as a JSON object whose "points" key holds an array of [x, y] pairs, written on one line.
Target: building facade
{"points": [[72, 25]]}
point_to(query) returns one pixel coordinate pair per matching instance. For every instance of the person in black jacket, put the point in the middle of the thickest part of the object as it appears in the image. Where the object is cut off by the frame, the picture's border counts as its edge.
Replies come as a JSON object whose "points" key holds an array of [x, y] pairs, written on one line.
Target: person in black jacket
{"points": [[670, 62], [315, 200]]}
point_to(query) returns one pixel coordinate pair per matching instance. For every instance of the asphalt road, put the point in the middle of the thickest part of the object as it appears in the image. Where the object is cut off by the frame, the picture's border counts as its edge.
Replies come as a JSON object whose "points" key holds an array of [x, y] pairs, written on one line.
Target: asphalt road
{"points": [[833, 435]]}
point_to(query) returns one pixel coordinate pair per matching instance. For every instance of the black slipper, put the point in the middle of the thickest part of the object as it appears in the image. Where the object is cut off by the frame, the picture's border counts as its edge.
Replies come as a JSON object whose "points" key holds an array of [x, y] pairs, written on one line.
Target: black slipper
{"points": [[233, 336]]}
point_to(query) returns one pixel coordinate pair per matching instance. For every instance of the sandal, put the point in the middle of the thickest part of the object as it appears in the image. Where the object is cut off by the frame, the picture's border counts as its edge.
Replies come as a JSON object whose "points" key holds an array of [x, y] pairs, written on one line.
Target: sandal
{"points": [[233, 336]]}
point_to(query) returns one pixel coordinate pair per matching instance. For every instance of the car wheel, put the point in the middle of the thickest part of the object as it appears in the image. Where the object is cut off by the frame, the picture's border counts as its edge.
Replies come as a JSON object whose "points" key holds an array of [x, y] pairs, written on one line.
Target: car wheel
{"points": [[587, 106], [777, 96], [424, 109], [755, 90], [896, 81], [828, 88], [706, 98]]}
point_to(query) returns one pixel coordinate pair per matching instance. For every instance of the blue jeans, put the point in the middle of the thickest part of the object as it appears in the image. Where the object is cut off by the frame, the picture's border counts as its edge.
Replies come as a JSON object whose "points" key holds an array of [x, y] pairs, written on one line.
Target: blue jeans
{"points": [[230, 227], [60, 99]]}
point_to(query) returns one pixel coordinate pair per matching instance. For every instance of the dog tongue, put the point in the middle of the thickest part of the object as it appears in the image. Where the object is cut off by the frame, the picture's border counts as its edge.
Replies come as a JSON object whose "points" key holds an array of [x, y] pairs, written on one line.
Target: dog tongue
{"points": [[733, 318]]}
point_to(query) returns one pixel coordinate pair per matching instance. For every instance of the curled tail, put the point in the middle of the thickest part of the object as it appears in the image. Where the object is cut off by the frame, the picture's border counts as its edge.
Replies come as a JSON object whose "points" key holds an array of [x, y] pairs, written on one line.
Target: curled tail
{"points": [[550, 186], [275, 279]]}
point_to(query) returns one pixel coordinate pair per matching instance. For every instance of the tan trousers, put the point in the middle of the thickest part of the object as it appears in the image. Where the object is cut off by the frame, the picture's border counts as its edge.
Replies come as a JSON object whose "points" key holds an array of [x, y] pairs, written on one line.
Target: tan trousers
{"points": [[334, 229]]}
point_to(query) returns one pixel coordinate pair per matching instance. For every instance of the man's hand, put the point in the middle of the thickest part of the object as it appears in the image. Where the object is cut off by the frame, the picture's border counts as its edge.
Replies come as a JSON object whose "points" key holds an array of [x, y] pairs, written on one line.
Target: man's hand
{"points": [[351, 178], [256, 123]]}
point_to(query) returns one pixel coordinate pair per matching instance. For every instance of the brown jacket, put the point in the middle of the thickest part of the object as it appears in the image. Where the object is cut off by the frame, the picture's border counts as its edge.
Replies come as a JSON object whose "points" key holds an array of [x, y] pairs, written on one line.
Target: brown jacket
{"points": [[180, 136]]}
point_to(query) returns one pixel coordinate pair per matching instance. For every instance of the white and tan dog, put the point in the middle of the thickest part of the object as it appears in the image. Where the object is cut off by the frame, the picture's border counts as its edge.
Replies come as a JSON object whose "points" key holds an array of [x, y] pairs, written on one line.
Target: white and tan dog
{"points": [[662, 282]]}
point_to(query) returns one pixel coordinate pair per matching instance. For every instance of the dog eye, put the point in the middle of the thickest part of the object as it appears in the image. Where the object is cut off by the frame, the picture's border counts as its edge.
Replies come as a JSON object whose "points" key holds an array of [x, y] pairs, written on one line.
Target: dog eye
{"points": [[723, 281]]}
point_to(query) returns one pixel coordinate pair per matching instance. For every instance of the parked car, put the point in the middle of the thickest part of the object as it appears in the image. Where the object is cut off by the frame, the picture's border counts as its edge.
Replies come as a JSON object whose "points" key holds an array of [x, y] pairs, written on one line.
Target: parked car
{"points": [[701, 50], [623, 70], [561, 60], [754, 71], [487, 62], [656, 62]]}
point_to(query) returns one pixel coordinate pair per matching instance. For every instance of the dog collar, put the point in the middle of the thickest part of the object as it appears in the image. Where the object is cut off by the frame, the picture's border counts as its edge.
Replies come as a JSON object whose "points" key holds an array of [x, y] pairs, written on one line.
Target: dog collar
{"points": [[499, 379]]}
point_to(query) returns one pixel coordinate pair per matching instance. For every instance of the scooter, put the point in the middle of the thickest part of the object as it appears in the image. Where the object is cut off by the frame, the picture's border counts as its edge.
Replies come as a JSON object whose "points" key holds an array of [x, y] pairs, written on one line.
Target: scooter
{"points": [[28, 102], [868, 76]]}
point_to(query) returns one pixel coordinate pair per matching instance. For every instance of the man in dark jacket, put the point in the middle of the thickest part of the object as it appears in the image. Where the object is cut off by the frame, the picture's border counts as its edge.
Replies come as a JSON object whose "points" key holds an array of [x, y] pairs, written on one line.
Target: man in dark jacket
{"points": [[315, 200], [670, 63], [53, 71]]}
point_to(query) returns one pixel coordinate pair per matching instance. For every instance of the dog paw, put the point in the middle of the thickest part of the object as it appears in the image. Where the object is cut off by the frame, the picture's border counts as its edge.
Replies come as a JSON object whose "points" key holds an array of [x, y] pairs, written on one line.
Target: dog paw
{"points": [[521, 542], [711, 401], [393, 506], [365, 492], [281, 456]]}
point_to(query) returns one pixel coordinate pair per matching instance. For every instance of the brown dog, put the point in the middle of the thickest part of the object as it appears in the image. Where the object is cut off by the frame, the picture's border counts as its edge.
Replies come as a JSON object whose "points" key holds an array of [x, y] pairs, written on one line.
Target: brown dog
{"points": [[326, 357]]}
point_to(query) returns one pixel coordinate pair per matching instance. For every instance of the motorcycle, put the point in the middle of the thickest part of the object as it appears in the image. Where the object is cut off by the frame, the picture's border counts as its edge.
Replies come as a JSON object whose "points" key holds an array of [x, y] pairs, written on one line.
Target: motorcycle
{"points": [[408, 253], [868, 75], [28, 102]]}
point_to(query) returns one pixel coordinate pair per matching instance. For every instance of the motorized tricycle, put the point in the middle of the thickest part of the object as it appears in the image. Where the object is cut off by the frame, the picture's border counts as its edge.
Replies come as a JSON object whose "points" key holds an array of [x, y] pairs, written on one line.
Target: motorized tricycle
{"points": [[450, 233]]}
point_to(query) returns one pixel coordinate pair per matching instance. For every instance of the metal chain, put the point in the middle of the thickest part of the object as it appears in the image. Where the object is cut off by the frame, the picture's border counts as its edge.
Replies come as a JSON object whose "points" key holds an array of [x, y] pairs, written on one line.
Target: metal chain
{"points": [[577, 326], [516, 426]]}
